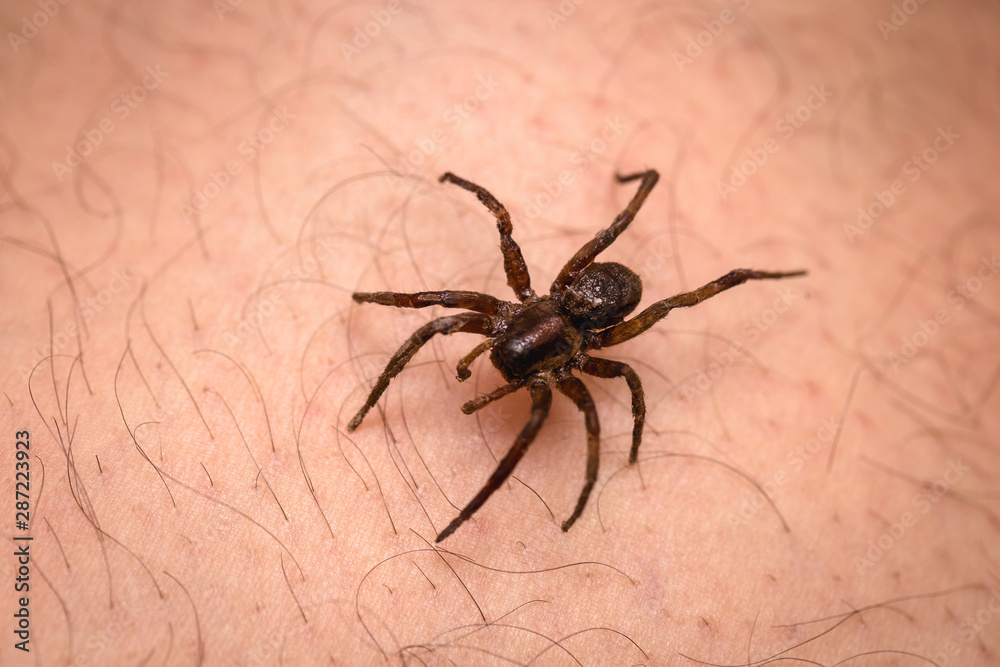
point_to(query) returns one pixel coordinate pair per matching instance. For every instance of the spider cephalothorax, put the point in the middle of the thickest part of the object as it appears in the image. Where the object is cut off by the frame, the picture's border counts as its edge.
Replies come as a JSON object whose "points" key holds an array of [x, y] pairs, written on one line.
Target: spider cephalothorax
{"points": [[537, 342]]}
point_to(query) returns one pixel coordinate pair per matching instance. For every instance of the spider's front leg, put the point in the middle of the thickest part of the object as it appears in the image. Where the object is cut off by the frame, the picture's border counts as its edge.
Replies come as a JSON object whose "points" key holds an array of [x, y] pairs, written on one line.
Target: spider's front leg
{"points": [[541, 400], [474, 301], [577, 392], [466, 323]]}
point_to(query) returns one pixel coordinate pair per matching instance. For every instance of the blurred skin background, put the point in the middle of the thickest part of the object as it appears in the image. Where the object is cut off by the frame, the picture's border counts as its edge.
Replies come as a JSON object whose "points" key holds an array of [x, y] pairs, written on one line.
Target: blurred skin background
{"points": [[192, 191]]}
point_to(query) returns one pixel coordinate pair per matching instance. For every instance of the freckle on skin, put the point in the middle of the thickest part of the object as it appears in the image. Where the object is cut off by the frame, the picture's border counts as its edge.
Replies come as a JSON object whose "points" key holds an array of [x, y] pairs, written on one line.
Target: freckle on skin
{"points": [[865, 420], [814, 389]]}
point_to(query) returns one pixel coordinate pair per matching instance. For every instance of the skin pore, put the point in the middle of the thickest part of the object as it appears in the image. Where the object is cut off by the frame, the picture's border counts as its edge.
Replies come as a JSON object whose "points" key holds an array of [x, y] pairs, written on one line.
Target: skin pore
{"points": [[192, 192]]}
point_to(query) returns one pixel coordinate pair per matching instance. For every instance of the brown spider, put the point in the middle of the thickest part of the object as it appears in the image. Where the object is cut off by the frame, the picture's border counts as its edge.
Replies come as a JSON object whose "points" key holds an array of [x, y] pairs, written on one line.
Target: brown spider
{"points": [[538, 342]]}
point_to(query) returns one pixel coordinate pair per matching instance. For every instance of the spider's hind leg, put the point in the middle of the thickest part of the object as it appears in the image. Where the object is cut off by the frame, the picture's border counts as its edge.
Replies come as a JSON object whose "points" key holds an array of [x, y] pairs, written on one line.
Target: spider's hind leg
{"points": [[466, 323], [585, 255], [606, 368], [629, 329]]}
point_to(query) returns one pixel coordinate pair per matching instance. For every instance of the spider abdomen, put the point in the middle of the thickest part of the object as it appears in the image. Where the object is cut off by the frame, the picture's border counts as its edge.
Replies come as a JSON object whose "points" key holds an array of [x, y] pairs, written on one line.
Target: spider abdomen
{"points": [[602, 295], [539, 338]]}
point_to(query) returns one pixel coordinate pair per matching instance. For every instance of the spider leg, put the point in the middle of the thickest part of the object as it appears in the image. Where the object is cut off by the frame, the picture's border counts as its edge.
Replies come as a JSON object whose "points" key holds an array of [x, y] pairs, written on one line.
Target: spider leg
{"points": [[577, 392], [643, 321], [462, 370], [480, 402], [466, 323], [541, 400], [585, 255], [606, 368], [513, 261], [480, 303]]}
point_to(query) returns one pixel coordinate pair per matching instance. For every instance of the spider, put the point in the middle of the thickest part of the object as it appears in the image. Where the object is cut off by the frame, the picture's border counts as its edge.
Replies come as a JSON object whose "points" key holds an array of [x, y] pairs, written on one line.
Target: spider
{"points": [[538, 342]]}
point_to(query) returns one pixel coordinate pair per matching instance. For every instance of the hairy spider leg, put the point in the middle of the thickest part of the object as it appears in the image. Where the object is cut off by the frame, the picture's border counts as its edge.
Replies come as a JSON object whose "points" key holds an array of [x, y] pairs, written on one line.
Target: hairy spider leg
{"points": [[585, 255], [480, 402], [541, 400], [475, 301], [462, 371], [465, 323], [606, 368], [576, 391], [629, 329], [513, 261]]}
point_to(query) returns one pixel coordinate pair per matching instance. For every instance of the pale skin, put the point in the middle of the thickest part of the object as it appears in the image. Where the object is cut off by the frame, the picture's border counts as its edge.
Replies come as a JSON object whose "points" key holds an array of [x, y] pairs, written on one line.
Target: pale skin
{"points": [[816, 448]]}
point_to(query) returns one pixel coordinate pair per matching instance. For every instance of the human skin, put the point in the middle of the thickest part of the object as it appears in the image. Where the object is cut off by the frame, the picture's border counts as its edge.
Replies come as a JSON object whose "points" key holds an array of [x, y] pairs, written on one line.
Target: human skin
{"points": [[818, 472]]}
